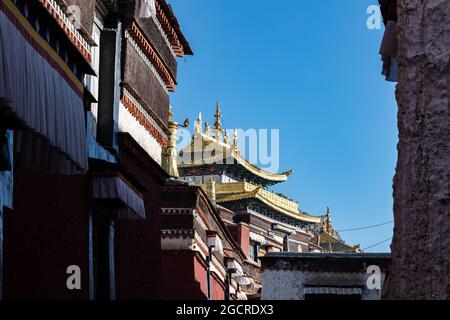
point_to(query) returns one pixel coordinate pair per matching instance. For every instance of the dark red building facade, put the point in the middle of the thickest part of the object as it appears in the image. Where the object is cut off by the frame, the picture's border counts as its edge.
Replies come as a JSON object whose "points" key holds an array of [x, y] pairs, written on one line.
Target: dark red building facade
{"points": [[91, 202], [84, 89]]}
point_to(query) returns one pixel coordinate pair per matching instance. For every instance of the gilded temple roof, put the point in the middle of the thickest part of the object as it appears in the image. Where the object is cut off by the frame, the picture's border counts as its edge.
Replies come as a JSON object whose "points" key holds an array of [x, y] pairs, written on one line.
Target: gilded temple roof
{"points": [[207, 148], [229, 192], [329, 240]]}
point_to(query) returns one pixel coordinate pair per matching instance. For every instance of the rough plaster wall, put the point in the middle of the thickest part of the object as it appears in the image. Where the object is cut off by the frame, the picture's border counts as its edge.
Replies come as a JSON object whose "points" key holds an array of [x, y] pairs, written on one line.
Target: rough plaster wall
{"points": [[289, 285], [282, 285], [421, 244]]}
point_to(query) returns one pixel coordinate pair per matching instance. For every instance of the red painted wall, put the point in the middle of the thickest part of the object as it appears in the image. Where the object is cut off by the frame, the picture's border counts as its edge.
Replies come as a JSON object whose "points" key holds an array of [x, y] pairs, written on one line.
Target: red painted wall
{"points": [[138, 242], [184, 277], [217, 286], [46, 232], [180, 277], [241, 234]]}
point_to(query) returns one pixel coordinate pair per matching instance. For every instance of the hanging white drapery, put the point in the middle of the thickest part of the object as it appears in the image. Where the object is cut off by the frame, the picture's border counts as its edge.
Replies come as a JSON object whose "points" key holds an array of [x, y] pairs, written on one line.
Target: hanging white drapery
{"points": [[41, 97]]}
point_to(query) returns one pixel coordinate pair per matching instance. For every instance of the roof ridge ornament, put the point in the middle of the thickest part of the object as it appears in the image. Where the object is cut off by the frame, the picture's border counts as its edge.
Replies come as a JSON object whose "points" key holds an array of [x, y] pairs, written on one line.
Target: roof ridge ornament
{"points": [[235, 141], [288, 172], [207, 128], [226, 138], [218, 117], [218, 123], [327, 226], [198, 124]]}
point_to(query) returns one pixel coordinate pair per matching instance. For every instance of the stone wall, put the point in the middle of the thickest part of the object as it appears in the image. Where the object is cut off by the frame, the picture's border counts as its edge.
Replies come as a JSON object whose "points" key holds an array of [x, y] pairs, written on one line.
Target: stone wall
{"points": [[286, 276], [421, 244], [290, 285]]}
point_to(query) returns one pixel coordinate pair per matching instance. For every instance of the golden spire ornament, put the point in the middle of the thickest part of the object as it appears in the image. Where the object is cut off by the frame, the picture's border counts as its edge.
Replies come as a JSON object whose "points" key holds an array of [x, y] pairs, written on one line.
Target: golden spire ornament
{"points": [[218, 117], [235, 140], [169, 152], [328, 228], [218, 123]]}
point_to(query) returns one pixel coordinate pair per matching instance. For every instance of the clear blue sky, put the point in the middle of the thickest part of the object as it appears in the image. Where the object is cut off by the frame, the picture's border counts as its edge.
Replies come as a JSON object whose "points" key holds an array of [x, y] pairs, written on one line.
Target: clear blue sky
{"points": [[311, 69]]}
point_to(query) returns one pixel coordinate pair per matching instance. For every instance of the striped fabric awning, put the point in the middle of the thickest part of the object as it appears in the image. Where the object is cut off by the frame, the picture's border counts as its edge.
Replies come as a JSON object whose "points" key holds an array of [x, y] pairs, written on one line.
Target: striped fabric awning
{"points": [[115, 189]]}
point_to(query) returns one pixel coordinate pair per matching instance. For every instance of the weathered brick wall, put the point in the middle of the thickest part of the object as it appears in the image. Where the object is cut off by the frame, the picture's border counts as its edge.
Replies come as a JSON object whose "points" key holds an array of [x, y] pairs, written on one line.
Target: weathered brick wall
{"points": [[421, 245]]}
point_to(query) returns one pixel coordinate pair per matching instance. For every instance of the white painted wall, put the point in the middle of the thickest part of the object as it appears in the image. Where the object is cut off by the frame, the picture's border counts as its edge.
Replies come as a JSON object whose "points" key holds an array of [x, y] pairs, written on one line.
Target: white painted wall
{"points": [[289, 285], [128, 123]]}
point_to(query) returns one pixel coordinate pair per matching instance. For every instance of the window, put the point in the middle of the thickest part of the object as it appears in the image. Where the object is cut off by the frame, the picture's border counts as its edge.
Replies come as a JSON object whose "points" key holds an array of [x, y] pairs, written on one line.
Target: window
{"points": [[254, 251], [286, 244]]}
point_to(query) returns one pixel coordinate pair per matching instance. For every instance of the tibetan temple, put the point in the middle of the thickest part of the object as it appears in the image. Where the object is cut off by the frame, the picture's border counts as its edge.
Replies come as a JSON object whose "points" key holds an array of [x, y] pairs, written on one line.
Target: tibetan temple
{"points": [[236, 193], [92, 183]]}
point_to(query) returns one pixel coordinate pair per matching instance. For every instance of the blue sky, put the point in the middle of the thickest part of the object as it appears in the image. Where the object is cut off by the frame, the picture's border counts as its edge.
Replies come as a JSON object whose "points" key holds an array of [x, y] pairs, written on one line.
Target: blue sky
{"points": [[312, 70]]}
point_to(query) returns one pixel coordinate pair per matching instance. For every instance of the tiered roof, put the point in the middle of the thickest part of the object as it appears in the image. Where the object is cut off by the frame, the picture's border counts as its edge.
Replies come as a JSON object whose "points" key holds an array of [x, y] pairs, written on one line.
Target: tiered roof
{"points": [[229, 192], [209, 154], [207, 150]]}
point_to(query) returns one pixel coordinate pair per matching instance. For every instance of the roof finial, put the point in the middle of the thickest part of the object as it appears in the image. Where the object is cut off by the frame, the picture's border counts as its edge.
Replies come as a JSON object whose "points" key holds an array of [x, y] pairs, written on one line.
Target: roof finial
{"points": [[328, 228], [218, 116], [198, 124], [218, 124], [207, 128], [226, 138], [235, 140]]}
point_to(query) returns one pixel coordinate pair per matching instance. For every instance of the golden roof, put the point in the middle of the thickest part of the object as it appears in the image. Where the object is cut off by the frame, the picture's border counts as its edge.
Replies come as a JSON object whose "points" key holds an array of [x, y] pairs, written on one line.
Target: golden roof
{"points": [[329, 239], [332, 244], [205, 150], [228, 192]]}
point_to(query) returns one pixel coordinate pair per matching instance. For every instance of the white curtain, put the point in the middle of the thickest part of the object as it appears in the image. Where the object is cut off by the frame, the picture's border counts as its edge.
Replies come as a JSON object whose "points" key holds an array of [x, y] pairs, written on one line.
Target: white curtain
{"points": [[40, 96]]}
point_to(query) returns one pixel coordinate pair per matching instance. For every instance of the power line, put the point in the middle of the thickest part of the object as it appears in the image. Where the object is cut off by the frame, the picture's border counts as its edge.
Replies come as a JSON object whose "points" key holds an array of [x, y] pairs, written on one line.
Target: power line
{"points": [[377, 244], [368, 227]]}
